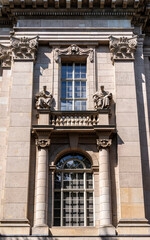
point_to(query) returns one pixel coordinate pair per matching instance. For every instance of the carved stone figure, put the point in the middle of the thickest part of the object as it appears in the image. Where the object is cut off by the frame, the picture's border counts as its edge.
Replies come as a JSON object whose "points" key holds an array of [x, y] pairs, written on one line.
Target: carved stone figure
{"points": [[44, 99], [74, 50], [24, 48], [122, 48], [102, 99]]}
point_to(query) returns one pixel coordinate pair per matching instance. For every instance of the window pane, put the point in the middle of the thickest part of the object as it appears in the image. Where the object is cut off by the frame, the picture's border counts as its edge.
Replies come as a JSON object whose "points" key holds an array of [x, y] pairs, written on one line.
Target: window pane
{"points": [[66, 105]]}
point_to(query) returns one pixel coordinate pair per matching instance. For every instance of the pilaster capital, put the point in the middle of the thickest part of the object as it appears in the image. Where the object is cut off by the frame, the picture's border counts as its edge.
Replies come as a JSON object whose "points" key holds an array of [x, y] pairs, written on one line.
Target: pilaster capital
{"points": [[5, 56], [103, 143], [122, 48], [74, 50], [24, 48], [42, 143]]}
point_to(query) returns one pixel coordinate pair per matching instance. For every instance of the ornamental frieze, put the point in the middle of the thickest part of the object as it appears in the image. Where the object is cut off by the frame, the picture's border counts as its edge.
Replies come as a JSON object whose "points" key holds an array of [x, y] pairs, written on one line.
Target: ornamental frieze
{"points": [[24, 48], [122, 48], [103, 143], [74, 50]]}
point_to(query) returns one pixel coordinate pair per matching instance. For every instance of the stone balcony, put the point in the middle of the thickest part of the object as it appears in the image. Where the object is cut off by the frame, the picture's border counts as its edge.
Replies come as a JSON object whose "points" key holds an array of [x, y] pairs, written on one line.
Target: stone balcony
{"points": [[76, 121]]}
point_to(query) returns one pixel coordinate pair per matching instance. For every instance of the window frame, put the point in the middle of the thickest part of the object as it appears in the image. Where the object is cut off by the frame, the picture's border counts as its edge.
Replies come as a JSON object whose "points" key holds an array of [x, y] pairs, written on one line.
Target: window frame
{"points": [[85, 190], [73, 80]]}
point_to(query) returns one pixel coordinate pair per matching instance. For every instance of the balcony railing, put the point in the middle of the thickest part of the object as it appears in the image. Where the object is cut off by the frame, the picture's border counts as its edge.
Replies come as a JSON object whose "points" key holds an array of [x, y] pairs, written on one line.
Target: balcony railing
{"points": [[87, 118]]}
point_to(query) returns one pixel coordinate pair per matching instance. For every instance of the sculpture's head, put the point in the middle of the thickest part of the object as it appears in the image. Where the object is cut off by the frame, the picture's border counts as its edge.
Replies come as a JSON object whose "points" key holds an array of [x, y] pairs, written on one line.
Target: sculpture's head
{"points": [[102, 88], [44, 88]]}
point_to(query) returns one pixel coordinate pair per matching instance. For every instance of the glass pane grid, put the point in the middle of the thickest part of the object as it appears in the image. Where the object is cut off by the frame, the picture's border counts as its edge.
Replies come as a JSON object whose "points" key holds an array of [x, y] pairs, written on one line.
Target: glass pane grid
{"points": [[73, 87], [73, 200]]}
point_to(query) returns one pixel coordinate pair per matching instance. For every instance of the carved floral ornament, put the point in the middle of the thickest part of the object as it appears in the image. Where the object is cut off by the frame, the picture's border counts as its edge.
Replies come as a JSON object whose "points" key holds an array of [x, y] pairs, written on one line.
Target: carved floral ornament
{"points": [[74, 50], [20, 48], [103, 143], [42, 143], [122, 48]]}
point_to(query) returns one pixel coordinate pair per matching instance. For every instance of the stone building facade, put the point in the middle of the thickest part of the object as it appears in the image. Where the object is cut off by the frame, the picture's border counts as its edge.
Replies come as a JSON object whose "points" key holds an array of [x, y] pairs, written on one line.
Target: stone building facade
{"points": [[74, 119]]}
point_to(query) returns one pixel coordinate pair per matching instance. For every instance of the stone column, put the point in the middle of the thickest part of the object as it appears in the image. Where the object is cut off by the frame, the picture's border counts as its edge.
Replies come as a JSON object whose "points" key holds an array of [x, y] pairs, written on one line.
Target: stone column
{"points": [[131, 210], [41, 191], [106, 227]]}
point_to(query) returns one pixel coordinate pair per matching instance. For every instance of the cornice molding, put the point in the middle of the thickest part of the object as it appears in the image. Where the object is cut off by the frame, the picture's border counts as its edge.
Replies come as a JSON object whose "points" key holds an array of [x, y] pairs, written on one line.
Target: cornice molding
{"points": [[74, 50], [122, 48]]}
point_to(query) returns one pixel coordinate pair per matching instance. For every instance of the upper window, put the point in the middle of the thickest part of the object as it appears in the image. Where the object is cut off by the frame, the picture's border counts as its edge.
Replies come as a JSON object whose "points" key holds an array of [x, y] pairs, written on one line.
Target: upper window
{"points": [[73, 191], [73, 86]]}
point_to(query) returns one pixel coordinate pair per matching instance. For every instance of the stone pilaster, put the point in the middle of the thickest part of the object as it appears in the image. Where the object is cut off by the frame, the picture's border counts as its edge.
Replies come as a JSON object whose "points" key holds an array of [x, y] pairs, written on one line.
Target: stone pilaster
{"points": [[41, 197], [131, 212], [15, 212], [105, 188]]}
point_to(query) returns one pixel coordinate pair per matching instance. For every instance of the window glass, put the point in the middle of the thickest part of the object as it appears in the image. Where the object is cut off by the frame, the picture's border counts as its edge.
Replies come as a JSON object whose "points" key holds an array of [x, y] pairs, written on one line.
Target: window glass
{"points": [[73, 87], [73, 191]]}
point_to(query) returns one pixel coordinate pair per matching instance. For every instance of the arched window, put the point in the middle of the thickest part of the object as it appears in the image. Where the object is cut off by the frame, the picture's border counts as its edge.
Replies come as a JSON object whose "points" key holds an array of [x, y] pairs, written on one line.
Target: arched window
{"points": [[73, 191]]}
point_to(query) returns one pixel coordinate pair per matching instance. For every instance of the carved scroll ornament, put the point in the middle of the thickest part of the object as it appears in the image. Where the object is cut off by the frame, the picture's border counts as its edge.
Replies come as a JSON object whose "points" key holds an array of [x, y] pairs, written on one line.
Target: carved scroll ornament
{"points": [[74, 50], [19, 48], [103, 143], [42, 143], [44, 99], [122, 48], [5, 56], [24, 48], [102, 99]]}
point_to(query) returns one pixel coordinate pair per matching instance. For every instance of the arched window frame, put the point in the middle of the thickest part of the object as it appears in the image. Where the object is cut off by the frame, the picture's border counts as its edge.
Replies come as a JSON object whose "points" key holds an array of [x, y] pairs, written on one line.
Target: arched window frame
{"points": [[87, 193]]}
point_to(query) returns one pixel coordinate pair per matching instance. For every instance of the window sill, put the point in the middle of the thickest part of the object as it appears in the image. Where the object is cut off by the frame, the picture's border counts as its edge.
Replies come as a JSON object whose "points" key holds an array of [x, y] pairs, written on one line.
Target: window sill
{"points": [[69, 231]]}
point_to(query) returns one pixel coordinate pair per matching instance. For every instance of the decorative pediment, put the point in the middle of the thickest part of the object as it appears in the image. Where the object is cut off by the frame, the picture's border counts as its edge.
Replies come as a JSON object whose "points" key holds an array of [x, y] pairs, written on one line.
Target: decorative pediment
{"points": [[24, 48], [74, 50], [5, 56], [122, 48]]}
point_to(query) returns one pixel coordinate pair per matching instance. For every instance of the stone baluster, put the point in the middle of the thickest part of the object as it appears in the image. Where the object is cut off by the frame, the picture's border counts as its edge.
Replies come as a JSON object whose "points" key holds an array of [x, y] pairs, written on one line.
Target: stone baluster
{"points": [[41, 197], [105, 187]]}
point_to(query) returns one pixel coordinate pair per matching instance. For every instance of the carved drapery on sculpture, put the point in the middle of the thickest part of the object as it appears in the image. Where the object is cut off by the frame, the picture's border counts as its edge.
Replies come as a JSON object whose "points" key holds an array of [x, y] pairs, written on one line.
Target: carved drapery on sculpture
{"points": [[24, 48], [44, 99], [103, 143], [102, 99], [5, 56], [42, 143], [122, 48], [74, 50]]}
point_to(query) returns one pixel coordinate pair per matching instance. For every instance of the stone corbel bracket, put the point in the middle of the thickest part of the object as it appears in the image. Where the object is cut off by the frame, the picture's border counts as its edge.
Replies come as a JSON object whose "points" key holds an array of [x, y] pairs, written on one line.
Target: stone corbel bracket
{"points": [[24, 48], [74, 50], [5, 56], [42, 143], [122, 48], [103, 143]]}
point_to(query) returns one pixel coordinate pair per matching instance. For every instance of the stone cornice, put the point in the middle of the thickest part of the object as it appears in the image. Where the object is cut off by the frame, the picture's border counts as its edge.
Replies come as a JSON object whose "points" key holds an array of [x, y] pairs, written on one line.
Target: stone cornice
{"points": [[122, 48]]}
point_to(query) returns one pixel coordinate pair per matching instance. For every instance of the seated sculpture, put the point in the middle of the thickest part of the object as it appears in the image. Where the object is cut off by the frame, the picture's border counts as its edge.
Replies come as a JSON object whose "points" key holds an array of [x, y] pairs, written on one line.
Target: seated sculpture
{"points": [[44, 99], [102, 99]]}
